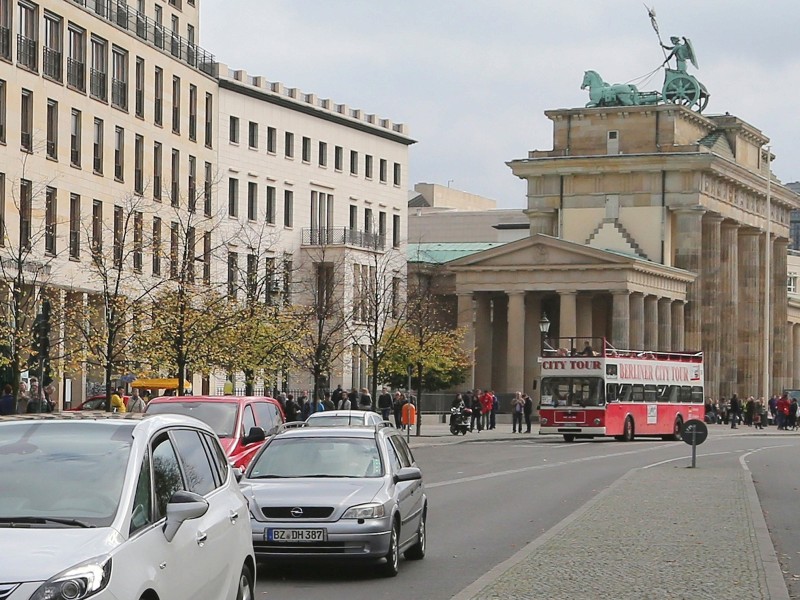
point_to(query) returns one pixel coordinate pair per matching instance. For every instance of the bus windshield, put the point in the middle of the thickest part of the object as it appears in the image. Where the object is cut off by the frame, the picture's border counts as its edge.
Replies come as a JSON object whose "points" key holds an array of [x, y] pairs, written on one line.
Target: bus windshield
{"points": [[573, 391]]}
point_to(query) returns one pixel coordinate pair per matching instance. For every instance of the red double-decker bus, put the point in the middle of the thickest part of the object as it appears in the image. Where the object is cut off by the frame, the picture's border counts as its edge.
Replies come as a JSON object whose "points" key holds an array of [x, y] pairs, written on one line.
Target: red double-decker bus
{"points": [[601, 391]]}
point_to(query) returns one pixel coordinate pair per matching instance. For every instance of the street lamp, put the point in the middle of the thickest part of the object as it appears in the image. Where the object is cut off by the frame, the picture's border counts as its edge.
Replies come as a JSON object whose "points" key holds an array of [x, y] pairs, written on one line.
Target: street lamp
{"points": [[544, 327]]}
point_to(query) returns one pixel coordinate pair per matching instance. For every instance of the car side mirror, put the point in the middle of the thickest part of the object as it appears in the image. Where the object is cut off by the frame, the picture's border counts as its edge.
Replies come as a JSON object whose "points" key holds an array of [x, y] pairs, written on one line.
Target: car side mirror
{"points": [[256, 434], [238, 473], [408, 474], [183, 506]]}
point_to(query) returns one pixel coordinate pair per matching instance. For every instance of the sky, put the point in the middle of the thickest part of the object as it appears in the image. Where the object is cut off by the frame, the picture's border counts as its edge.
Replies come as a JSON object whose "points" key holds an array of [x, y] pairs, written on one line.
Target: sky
{"points": [[472, 78]]}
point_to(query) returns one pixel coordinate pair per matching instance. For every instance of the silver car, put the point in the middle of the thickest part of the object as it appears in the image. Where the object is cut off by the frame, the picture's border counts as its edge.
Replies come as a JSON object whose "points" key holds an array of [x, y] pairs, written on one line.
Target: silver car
{"points": [[344, 493], [339, 418]]}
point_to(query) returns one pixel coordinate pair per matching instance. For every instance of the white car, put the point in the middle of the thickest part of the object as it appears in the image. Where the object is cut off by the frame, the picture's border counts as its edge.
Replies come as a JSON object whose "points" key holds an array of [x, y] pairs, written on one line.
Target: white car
{"points": [[120, 506], [345, 418]]}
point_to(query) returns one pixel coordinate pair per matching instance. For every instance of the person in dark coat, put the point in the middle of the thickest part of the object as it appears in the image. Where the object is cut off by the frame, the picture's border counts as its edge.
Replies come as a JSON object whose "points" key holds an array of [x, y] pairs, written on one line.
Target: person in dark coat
{"points": [[527, 409], [733, 411], [8, 404]]}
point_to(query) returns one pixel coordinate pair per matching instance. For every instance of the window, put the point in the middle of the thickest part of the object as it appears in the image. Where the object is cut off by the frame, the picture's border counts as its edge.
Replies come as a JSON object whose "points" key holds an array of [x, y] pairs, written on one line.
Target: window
{"points": [[325, 287], [175, 182], [207, 190], [791, 283], [97, 226], [395, 297], [2, 209], [157, 171], [98, 75], [233, 197], [287, 278], [353, 162], [158, 94], [192, 184], [233, 132], [207, 258], [209, 120], [5, 29], [382, 225], [368, 166], [195, 460], [189, 255], [338, 157], [193, 112], [139, 76], [174, 267], [52, 129], [97, 147], [321, 214], [252, 201], [138, 165], [3, 109], [252, 135], [270, 205], [353, 217], [306, 149], [176, 104], [53, 47], [74, 226], [233, 272], [368, 220], [166, 475], [76, 60], [50, 212], [272, 140], [27, 38], [119, 154], [252, 275], [25, 210], [142, 514], [156, 245], [119, 78], [395, 231], [382, 170], [396, 180], [75, 139], [323, 154], [26, 121], [288, 146], [272, 284], [288, 208], [119, 236]]}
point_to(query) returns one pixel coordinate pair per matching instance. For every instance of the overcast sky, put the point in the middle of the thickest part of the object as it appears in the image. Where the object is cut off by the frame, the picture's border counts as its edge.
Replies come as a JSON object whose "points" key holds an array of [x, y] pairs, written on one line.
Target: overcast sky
{"points": [[473, 78]]}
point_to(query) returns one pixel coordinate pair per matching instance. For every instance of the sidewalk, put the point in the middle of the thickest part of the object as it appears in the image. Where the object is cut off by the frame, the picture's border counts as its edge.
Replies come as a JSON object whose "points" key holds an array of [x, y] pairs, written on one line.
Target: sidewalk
{"points": [[659, 532]]}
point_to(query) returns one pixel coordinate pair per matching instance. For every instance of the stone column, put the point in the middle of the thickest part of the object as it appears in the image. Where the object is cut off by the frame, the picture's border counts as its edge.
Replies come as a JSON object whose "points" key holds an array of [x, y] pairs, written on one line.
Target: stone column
{"points": [[483, 340], [789, 356], [584, 320], [729, 306], [780, 317], [533, 339], [710, 286], [466, 321], [620, 320], [568, 322], [637, 321], [687, 234], [500, 329], [664, 325], [542, 221], [515, 370], [678, 326], [651, 322], [749, 341], [796, 356]]}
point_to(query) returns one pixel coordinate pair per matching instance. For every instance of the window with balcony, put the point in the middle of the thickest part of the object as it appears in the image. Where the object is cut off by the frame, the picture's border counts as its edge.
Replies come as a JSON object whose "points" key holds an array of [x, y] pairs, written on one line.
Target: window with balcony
{"points": [[233, 197], [193, 112], [74, 226], [138, 165], [119, 78], [175, 184], [52, 60], [382, 224], [176, 104], [50, 216], [157, 171], [25, 212], [98, 75], [75, 138], [27, 36], [26, 121], [76, 60], [192, 183], [156, 245], [52, 129], [271, 194], [252, 200], [395, 231], [158, 95], [119, 154]]}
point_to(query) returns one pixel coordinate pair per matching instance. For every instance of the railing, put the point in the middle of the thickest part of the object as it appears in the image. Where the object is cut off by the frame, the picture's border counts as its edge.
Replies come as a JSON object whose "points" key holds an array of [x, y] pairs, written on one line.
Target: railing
{"points": [[5, 42], [119, 94], [51, 64], [130, 19], [26, 51], [97, 84], [343, 236], [76, 74]]}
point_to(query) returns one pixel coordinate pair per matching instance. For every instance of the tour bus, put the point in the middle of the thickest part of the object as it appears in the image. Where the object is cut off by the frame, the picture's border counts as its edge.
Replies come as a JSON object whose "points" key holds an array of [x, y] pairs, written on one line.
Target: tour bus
{"points": [[600, 391]]}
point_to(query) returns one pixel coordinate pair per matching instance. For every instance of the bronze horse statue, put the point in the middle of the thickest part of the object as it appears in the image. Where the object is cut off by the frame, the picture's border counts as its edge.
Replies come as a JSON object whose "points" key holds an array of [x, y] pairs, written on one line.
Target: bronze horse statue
{"points": [[604, 94]]}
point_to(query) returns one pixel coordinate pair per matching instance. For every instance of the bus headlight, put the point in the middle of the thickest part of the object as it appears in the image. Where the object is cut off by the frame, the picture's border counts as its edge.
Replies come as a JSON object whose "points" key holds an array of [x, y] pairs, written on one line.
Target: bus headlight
{"points": [[543, 421]]}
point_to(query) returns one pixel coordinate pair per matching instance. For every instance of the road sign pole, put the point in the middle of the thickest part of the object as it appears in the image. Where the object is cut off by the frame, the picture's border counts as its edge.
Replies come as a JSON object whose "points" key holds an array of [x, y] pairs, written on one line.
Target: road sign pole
{"points": [[694, 446], [694, 432]]}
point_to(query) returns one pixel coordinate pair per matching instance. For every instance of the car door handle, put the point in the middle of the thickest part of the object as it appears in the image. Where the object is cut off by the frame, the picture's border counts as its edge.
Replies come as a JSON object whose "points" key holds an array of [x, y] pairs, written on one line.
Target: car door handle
{"points": [[201, 538], [233, 516]]}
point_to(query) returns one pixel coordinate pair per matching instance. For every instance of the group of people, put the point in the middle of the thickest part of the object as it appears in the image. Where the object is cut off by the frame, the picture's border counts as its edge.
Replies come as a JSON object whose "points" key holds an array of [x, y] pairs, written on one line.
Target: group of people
{"points": [[30, 399], [778, 410]]}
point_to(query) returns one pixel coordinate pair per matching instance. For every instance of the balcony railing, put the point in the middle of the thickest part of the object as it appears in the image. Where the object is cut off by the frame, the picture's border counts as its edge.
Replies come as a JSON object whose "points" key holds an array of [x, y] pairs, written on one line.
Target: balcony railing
{"points": [[119, 94], [130, 19], [51, 64], [5, 42], [343, 236], [76, 74], [98, 86], [26, 52]]}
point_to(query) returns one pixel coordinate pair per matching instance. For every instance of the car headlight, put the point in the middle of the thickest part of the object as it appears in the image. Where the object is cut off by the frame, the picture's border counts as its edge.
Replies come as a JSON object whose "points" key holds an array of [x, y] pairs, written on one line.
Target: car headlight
{"points": [[365, 511], [83, 580]]}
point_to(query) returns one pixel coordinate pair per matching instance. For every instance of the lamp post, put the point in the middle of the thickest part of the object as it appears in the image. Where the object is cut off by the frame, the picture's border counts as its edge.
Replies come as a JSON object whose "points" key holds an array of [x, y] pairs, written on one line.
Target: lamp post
{"points": [[544, 328]]}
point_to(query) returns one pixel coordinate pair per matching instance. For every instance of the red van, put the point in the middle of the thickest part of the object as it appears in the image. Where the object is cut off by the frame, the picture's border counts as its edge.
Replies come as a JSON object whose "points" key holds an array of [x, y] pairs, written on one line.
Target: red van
{"points": [[240, 422]]}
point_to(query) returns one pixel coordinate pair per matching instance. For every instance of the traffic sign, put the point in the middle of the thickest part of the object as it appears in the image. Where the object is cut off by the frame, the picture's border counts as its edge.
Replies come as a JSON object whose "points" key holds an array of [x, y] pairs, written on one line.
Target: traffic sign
{"points": [[694, 432]]}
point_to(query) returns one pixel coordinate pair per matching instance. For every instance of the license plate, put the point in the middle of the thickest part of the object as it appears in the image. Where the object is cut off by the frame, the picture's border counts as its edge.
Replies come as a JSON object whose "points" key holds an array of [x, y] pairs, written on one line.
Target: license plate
{"points": [[296, 535]]}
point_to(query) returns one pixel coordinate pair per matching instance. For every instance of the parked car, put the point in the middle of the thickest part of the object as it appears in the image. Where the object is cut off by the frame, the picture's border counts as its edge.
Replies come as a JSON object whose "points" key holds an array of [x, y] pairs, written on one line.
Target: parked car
{"points": [[339, 418], [337, 493], [120, 506], [242, 423], [96, 403]]}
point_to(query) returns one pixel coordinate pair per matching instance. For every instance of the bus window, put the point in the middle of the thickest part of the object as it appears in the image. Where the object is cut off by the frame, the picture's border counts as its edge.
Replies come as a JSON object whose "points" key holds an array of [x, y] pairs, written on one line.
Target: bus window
{"points": [[697, 394], [685, 394], [637, 393], [650, 394], [572, 391]]}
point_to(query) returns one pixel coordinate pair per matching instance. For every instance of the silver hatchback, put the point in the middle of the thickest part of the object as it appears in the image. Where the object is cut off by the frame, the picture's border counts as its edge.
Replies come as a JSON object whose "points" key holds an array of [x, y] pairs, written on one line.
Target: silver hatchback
{"points": [[345, 493]]}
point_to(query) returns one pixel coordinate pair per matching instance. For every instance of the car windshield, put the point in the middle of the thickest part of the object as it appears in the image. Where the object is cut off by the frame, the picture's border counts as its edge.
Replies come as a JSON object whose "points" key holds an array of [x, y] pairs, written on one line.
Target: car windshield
{"points": [[324, 420], [318, 457], [62, 471], [220, 416]]}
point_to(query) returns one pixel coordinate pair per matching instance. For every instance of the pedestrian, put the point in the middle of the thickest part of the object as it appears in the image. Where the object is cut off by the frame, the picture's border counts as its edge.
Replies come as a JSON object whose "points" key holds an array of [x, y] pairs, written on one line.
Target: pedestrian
{"points": [[353, 395], [487, 399], [22, 398], [305, 405], [136, 404], [476, 412], [327, 402], [526, 413], [517, 408], [397, 409], [733, 411], [290, 412], [792, 423], [493, 413], [365, 400], [337, 396], [783, 411], [758, 413], [385, 404], [117, 403], [8, 405]]}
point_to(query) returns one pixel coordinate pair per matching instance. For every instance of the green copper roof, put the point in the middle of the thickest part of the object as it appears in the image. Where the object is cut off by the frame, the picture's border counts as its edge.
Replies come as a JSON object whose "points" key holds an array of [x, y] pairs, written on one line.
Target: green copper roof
{"points": [[442, 252]]}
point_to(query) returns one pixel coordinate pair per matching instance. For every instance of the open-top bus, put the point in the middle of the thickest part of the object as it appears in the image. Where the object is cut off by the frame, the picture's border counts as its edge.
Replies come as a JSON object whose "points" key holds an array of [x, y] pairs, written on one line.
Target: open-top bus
{"points": [[620, 393]]}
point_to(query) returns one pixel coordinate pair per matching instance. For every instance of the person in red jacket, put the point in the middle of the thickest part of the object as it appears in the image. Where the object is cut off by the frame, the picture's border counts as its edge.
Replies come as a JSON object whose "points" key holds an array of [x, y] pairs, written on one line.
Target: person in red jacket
{"points": [[487, 400], [783, 411]]}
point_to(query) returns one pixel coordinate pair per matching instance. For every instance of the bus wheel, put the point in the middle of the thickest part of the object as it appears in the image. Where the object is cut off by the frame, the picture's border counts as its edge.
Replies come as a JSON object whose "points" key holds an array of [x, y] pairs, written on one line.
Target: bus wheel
{"points": [[675, 436], [568, 437], [627, 432]]}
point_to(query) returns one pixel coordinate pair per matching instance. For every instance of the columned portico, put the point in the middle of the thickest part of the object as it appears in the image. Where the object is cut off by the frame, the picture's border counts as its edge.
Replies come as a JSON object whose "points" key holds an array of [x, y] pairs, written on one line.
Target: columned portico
{"points": [[780, 330], [515, 372], [620, 320], [568, 322], [637, 321], [650, 322], [729, 307], [664, 325], [466, 322], [678, 328], [483, 340], [688, 246], [749, 341], [500, 327], [711, 259]]}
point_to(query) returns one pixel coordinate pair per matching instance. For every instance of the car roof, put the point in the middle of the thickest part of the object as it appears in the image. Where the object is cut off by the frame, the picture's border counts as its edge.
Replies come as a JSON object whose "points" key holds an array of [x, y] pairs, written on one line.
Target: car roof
{"points": [[217, 399], [341, 413], [141, 421]]}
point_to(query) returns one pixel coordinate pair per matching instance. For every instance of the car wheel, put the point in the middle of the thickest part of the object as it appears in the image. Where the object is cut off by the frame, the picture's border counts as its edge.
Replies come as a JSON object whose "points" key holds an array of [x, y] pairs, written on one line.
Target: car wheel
{"points": [[246, 590], [392, 566], [417, 551]]}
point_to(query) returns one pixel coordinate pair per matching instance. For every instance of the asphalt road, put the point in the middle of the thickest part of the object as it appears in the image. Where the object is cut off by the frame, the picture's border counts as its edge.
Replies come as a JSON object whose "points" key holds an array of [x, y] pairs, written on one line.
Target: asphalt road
{"points": [[488, 499]]}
